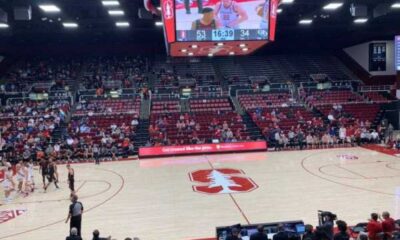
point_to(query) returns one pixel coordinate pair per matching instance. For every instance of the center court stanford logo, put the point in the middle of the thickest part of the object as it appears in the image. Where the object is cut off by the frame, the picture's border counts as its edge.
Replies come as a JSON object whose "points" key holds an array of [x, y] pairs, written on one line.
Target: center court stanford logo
{"points": [[8, 215], [221, 181]]}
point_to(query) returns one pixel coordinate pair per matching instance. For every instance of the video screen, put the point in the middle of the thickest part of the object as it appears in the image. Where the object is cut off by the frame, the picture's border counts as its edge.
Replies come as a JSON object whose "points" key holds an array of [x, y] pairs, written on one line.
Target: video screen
{"points": [[222, 20], [397, 52]]}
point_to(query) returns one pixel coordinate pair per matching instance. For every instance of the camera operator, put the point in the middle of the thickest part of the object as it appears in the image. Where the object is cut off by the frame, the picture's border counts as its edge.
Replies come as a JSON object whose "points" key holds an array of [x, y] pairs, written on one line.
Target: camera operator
{"points": [[327, 224]]}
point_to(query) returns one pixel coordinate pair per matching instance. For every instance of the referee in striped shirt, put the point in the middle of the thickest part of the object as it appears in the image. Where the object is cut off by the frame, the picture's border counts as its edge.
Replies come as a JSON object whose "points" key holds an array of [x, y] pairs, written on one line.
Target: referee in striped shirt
{"points": [[75, 214]]}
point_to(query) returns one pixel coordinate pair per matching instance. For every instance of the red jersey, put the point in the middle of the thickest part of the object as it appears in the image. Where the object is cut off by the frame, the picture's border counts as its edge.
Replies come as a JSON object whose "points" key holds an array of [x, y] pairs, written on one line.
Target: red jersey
{"points": [[373, 228], [388, 225]]}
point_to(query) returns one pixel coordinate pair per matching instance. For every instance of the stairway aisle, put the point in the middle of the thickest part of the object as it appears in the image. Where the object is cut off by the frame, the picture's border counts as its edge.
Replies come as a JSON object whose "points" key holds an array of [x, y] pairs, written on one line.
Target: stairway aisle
{"points": [[252, 128], [59, 132], [142, 134]]}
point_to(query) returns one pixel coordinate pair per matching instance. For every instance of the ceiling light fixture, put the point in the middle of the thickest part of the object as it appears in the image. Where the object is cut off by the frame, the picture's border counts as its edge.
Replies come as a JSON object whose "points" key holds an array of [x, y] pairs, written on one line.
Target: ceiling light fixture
{"points": [[116, 12], [396, 5], [333, 6], [110, 3], [70, 25], [287, 1], [360, 20], [50, 8], [306, 21], [159, 24], [122, 24], [4, 25]]}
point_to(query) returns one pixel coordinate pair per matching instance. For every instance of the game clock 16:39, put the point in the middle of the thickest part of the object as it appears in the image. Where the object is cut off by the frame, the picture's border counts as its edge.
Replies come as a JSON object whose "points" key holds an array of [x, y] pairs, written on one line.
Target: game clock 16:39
{"points": [[223, 35]]}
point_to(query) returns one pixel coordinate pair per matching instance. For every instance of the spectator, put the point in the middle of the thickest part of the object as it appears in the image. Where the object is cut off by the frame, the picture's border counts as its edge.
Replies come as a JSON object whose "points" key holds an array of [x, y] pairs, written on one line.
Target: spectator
{"points": [[388, 225], [96, 236], [235, 234], [259, 235], [308, 233], [73, 235], [374, 136], [342, 234], [374, 227], [281, 234]]}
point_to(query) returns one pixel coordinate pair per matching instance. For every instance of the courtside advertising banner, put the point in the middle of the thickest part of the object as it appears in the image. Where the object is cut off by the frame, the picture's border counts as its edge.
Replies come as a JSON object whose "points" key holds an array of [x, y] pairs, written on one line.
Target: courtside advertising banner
{"points": [[202, 148]]}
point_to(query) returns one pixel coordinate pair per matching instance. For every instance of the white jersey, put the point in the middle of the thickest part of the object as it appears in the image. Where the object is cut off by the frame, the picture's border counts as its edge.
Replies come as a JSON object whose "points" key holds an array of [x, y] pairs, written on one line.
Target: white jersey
{"points": [[30, 172], [265, 16], [226, 15], [342, 133], [7, 185], [21, 174]]}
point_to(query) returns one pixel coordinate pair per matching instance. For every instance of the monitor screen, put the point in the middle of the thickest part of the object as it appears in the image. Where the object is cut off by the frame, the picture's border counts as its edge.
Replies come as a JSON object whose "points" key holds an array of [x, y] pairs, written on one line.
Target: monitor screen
{"points": [[397, 52], [222, 20]]}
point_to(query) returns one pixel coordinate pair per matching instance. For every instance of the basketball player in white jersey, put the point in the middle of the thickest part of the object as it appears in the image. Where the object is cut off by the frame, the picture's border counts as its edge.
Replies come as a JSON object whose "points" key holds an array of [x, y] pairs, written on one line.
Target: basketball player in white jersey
{"points": [[20, 175], [230, 14], [29, 181], [8, 183], [263, 11]]}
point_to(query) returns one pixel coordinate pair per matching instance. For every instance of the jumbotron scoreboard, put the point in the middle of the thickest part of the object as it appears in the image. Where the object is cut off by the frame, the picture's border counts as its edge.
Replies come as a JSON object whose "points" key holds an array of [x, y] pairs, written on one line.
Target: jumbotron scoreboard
{"points": [[218, 27]]}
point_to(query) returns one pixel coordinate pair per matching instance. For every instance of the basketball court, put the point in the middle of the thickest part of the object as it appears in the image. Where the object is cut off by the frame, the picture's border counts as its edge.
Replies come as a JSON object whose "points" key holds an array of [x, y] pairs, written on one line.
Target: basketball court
{"points": [[187, 197]]}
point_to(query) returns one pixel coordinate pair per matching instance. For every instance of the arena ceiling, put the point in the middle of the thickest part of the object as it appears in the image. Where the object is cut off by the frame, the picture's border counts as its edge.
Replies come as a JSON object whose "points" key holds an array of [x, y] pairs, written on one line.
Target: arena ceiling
{"points": [[330, 29]]}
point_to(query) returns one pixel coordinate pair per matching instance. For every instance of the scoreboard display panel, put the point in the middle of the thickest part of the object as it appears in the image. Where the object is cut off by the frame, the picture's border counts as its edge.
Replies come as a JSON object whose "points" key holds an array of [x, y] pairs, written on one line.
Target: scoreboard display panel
{"points": [[222, 20], [397, 52], [218, 27]]}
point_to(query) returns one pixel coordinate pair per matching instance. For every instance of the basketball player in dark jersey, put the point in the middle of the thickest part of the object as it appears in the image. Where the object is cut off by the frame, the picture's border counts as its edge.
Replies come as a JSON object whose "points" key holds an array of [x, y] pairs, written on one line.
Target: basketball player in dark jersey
{"points": [[207, 22], [51, 171], [43, 170], [71, 178]]}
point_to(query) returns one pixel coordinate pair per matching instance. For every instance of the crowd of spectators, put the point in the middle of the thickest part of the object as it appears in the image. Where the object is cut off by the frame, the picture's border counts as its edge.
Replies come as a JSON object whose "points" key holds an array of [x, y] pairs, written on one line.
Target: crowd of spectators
{"points": [[103, 72], [86, 139], [195, 128], [27, 126], [315, 132], [25, 73]]}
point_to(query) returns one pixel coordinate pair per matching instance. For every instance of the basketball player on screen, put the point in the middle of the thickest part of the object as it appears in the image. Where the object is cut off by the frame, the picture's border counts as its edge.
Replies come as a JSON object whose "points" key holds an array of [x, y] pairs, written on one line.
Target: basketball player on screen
{"points": [[230, 14], [262, 11], [207, 22], [199, 6]]}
